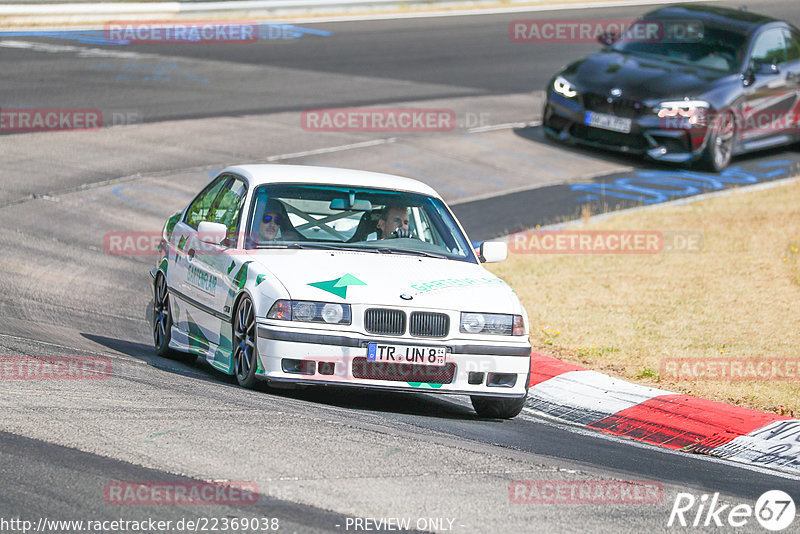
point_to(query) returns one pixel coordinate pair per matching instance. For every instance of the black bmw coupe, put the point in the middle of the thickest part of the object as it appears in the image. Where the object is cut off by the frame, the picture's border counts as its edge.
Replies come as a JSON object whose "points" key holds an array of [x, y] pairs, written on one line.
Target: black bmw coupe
{"points": [[710, 83]]}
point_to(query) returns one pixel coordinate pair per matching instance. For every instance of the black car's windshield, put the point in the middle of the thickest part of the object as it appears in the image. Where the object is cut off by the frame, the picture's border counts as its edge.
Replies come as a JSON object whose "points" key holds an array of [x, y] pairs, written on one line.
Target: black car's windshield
{"points": [[354, 218], [689, 42]]}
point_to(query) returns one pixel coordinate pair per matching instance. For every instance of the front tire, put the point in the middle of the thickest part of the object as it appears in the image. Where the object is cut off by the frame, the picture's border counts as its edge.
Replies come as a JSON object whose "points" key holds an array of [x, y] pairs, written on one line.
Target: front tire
{"points": [[719, 147], [497, 407], [245, 353]]}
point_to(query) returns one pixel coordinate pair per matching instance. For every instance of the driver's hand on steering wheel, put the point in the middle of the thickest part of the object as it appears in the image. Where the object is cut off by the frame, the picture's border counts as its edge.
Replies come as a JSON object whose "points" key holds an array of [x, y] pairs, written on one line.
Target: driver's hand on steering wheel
{"points": [[401, 232]]}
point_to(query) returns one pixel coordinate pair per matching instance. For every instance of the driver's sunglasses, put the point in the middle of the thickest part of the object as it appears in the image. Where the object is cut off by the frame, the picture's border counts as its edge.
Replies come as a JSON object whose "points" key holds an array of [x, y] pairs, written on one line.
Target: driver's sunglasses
{"points": [[270, 218]]}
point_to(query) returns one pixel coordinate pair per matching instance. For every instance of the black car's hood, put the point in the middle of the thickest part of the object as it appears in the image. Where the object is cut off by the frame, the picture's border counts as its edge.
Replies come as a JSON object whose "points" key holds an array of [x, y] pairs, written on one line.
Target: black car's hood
{"points": [[639, 77]]}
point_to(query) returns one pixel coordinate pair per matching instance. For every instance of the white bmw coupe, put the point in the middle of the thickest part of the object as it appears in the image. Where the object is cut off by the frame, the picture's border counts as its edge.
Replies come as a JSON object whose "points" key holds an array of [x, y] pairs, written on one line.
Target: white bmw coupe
{"points": [[323, 276]]}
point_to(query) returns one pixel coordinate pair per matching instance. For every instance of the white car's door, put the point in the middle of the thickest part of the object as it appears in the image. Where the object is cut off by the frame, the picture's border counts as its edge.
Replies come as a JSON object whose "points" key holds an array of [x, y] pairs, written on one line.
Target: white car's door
{"points": [[217, 267], [191, 284]]}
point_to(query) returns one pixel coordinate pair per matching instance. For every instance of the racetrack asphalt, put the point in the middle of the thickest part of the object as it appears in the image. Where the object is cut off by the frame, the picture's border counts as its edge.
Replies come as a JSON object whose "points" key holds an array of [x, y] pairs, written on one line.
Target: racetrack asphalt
{"points": [[320, 454]]}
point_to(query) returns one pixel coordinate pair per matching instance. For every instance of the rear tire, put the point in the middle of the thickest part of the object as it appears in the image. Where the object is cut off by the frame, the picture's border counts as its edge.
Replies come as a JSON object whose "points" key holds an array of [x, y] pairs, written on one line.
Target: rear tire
{"points": [[162, 317], [162, 323], [719, 147], [497, 407]]}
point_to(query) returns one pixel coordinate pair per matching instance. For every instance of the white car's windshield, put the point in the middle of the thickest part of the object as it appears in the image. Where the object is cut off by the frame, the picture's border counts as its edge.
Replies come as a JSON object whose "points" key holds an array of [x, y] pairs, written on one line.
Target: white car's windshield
{"points": [[342, 217]]}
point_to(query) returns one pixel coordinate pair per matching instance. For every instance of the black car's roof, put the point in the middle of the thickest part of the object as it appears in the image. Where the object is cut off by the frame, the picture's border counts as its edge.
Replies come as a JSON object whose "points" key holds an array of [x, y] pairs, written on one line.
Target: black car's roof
{"points": [[721, 17]]}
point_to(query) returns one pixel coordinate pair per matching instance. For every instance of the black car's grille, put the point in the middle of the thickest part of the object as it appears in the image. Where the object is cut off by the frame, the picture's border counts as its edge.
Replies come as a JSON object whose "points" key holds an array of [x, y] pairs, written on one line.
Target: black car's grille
{"points": [[385, 322], [607, 137], [403, 372], [629, 109], [429, 324]]}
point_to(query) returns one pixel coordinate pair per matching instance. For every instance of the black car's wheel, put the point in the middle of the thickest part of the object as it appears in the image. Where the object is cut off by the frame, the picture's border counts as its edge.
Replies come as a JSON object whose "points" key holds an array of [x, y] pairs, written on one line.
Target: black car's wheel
{"points": [[162, 318], [497, 408], [719, 147], [245, 353]]}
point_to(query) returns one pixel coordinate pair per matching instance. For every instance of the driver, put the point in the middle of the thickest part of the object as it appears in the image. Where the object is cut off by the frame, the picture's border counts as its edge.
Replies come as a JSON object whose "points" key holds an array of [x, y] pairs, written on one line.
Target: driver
{"points": [[270, 226], [274, 224], [393, 223]]}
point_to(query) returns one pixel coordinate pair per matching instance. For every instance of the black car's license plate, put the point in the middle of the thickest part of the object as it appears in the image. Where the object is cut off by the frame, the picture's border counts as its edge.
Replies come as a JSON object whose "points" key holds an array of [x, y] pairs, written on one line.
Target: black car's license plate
{"points": [[607, 122]]}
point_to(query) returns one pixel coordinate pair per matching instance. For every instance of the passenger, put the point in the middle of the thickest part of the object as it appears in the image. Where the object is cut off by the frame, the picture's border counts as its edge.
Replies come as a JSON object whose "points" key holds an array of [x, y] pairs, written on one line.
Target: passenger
{"points": [[393, 223]]}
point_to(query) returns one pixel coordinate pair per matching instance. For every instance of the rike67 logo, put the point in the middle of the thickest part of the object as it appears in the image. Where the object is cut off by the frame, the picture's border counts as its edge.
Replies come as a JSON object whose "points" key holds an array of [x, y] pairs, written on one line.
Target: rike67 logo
{"points": [[774, 510]]}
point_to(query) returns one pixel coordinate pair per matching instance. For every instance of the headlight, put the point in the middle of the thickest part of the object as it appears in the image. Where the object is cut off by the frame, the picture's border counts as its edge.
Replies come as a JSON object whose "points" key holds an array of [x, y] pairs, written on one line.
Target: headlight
{"points": [[692, 110], [563, 87], [492, 323], [310, 312]]}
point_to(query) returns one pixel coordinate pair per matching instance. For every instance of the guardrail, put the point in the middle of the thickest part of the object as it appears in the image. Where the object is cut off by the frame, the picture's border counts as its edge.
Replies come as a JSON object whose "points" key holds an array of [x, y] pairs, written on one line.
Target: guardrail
{"points": [[37, 11]]}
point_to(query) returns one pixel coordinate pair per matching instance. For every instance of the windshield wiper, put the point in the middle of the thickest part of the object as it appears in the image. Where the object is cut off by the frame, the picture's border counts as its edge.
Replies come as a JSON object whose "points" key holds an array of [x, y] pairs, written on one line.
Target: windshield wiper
{"points": [[388, 250], [326, 246], [273, 245]]}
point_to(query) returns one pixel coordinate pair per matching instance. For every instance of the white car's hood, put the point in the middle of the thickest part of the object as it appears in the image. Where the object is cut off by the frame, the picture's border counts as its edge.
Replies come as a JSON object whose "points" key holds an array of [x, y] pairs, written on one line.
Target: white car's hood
{"points": [[381, 279]]}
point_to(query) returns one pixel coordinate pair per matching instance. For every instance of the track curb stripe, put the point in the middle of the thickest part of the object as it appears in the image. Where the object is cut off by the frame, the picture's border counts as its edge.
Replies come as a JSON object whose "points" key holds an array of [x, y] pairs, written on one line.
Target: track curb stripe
{"points": [[663, 418]]}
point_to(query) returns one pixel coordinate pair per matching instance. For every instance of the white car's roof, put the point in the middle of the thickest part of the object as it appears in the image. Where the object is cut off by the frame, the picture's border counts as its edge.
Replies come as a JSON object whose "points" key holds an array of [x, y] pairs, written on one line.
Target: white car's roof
{"points": [[259, 174]]}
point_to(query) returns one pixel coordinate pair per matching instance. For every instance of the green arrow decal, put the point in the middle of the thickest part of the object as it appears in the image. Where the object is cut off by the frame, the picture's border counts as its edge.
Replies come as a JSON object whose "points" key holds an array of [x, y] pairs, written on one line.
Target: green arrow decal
{"points": [[338, 286]]}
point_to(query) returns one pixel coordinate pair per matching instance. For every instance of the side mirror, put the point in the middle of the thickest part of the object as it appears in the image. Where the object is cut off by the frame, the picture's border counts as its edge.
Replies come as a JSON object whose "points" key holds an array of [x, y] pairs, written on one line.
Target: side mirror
{"points": [[607, 38], [211, 232], [765, 67], [493, 251]]}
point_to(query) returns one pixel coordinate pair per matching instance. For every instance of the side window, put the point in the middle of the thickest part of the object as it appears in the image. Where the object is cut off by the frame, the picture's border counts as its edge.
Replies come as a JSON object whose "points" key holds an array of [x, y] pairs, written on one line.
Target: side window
{"points": [[770, 48], [228, 206], [200, 206], [792, 45]]}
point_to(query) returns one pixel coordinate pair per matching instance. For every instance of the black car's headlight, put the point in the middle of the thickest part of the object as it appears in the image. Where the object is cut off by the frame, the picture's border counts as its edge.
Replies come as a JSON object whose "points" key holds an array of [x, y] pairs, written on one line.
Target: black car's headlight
{"points": [[492, 323], [562, 86], [310, 311], [694, 111]]}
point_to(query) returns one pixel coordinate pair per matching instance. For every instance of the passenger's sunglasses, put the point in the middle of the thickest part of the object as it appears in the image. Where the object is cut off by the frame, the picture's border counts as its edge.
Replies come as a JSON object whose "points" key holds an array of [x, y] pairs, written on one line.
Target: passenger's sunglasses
{"points": [[270, 218]]}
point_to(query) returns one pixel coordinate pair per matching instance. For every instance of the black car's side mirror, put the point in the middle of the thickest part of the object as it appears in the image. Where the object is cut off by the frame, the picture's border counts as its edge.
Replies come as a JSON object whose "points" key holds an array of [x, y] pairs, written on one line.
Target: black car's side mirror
{"points": [[762, 68], [607, 38], [765, 67]]}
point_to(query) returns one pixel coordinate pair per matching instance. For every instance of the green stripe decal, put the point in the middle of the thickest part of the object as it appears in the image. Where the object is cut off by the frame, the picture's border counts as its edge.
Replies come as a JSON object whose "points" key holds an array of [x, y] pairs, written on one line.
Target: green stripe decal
{"points": [[424, 385]]}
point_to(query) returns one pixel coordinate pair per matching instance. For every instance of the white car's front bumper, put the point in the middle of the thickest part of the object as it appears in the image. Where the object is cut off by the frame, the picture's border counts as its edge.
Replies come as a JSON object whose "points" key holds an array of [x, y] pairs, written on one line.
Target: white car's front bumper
{"points": [[314, 356]]}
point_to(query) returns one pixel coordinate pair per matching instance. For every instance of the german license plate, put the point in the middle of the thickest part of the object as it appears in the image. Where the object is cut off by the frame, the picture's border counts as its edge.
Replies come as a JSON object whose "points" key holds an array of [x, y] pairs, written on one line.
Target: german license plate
{"points": [[379, 352], [607, 122]]}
